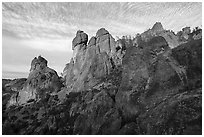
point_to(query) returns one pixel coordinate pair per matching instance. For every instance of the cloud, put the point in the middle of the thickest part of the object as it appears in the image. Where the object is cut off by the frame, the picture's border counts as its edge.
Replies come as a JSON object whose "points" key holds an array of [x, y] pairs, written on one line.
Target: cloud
{"points": [[57, 20]]}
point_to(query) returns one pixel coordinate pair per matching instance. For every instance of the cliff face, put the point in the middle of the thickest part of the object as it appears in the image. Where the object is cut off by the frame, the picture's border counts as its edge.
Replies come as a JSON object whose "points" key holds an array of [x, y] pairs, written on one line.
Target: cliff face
{"points": [[90, 63], [114, 87]]}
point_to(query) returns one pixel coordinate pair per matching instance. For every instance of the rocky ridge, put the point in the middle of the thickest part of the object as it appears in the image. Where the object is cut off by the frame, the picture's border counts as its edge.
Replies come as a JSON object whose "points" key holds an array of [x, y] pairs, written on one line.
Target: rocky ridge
{"points": [[90, 63], [140, 86]]}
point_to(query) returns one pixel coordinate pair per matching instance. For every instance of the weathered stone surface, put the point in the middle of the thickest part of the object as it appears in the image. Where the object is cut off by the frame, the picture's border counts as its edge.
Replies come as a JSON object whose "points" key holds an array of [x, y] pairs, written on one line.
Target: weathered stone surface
{"points": [[145, 72], [10, 89], [176, 114], [92, 42], [98, 117], [81, 38], [92, 71], [38, 63], [171, 38], [129, 129], [157, 27], [101, 32], [65, 70], [190, 56], [41, 80], [105, 42], [15, 85], [92, 63], [197, 34]]}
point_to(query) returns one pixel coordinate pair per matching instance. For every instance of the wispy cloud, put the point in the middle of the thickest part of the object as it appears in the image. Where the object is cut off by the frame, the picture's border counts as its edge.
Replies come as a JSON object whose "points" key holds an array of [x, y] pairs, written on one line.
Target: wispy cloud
{"points": [[56, 20]]}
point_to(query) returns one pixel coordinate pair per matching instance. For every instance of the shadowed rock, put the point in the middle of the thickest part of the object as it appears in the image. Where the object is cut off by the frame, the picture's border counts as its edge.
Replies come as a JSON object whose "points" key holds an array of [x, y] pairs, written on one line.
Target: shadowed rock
{"points": [[147, 72]]}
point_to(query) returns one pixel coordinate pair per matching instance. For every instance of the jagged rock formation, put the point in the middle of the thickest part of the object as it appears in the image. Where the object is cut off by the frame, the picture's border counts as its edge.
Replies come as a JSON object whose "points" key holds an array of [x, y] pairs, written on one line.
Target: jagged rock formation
{"points": [[90, 63], [157, 27], [41, 79], [124, 87], [81, 38], [158, 30]]}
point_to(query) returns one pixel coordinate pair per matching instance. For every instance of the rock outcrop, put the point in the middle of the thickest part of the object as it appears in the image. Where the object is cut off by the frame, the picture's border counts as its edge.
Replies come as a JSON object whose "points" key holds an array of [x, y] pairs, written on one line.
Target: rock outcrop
{"points": [[151, 77], [41, 80], [81, 38], [158, 30], [184, 34], [92, 62], [139, 86], [147, 70], [157, 27]]}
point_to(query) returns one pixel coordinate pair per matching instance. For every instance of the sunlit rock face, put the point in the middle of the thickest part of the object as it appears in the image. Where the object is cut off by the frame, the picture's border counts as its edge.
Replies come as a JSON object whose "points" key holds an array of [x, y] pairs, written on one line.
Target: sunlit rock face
{"points": [[81, 38], [92, 62], [41, 80]]}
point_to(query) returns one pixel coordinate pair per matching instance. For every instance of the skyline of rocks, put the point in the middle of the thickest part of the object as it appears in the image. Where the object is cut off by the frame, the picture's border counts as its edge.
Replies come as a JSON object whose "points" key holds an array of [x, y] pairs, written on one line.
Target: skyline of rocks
{"points": [[157, 29], [118, 68], [134, 86], [48, 29]]}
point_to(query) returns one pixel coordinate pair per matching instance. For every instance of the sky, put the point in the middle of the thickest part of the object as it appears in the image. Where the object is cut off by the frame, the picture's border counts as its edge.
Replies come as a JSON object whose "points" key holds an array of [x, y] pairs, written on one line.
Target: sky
{"points": [[47, 29]]}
